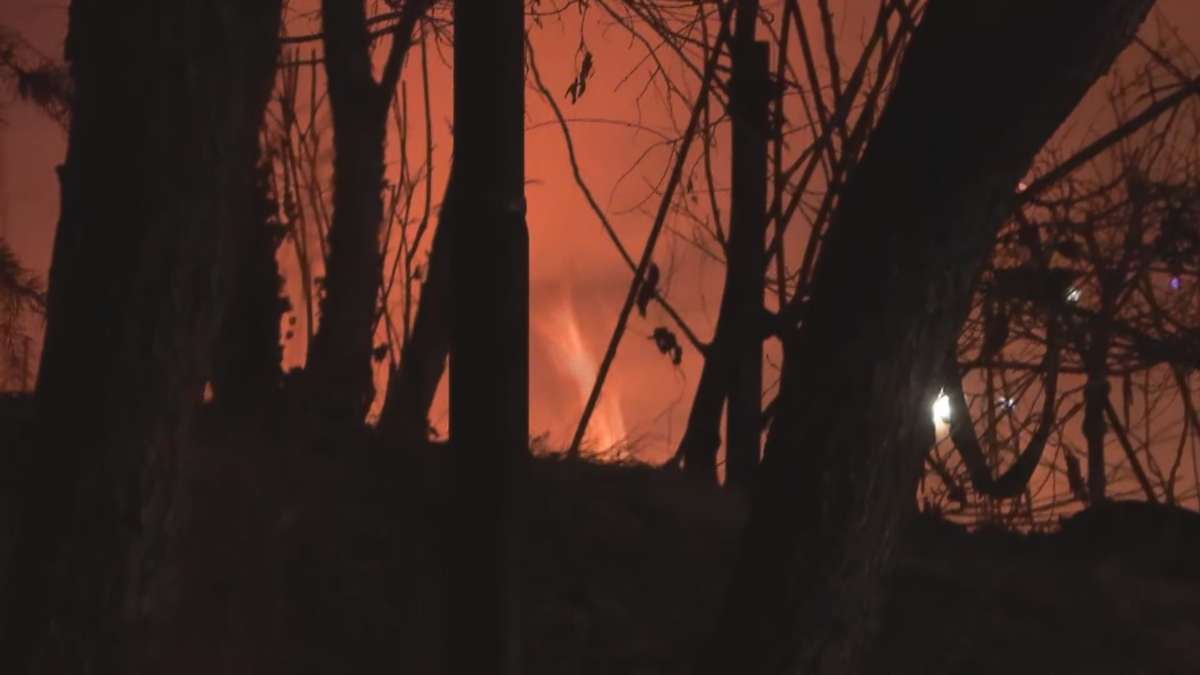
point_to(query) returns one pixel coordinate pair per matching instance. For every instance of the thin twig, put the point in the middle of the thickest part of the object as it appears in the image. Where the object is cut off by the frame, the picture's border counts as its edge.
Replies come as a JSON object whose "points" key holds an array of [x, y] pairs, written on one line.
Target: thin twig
{"points": [[660, 219], [587, 193]]}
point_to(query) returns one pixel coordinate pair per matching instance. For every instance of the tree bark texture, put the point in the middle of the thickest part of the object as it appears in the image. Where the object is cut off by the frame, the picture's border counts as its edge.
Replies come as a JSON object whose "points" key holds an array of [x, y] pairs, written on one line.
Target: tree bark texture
{"points": [[489, 347], [983, 86], [161, 157]]}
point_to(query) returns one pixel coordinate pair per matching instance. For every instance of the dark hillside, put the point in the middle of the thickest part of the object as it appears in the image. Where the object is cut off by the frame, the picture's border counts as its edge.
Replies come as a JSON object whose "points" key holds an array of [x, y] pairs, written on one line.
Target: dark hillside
{"points": [[295, 561]]}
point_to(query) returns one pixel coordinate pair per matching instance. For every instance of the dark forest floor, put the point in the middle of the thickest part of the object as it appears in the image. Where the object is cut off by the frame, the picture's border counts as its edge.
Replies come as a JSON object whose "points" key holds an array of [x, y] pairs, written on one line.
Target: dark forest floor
{"points": [[327, 561]]}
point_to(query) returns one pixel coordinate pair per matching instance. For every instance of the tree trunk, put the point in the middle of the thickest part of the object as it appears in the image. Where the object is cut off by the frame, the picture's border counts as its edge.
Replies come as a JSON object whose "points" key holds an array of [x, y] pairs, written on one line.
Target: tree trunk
{"points": [[340, 381], [702, 438], [489, 348], [339, 366], [413, 384], [162, 145], [733, 364], [983, 86], [248, 363]]}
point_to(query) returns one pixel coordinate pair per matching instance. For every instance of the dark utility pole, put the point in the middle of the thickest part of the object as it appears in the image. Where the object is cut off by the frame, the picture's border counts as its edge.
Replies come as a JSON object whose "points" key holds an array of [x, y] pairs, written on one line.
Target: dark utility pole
{"points": [[747, 242], [489, 336]]}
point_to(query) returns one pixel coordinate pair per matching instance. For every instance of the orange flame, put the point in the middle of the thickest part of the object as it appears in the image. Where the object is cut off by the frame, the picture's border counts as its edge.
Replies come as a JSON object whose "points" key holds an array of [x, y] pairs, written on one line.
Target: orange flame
{"points": [[606, 430]]}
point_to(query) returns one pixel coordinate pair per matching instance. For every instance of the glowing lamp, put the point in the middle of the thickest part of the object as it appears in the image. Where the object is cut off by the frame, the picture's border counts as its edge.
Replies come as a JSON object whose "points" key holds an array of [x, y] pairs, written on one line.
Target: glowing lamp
{"points": [[941, 408]]}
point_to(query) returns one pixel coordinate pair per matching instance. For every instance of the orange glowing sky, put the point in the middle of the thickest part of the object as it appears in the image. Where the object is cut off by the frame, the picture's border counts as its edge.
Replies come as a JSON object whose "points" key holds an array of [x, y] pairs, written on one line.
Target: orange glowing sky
{"points": [[577, 275]]}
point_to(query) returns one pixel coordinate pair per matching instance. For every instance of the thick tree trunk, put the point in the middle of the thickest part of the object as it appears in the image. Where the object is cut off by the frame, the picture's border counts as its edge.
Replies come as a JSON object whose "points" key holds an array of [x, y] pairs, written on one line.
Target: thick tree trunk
{"points": [[489, 348], [983, 86], [414, 382], [248, 364], [163, 139]]}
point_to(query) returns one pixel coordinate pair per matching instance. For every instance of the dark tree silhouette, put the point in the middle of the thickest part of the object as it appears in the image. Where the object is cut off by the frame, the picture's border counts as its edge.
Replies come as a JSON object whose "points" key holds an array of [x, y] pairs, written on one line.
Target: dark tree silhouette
{"points": [[733, 362], [413, 383], [980, 90], [338, 372], [247, 367], [489, 344], [1015, 479], [746, 277], [1123, 218], [165, 114]]}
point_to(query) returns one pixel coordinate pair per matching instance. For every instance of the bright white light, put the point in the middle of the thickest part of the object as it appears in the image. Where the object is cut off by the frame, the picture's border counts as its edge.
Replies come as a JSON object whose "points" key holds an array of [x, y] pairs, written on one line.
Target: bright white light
{"points": [[1007, 403], [1073, 295], [941, 408], [1021, 187]]}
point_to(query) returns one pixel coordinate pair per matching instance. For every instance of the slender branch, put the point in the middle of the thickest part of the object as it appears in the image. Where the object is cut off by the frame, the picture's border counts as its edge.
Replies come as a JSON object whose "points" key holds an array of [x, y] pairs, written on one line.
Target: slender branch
{"points": [[1120, 133], [373, 21], [660, 218], [591, 200], [402, 40], [1115, 421]]}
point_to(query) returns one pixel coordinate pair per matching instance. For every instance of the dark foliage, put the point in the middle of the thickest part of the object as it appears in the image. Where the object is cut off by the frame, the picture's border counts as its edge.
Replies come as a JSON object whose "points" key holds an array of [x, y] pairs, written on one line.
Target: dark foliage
{"points": [[22, 306], [35, 79], [911, 232]]}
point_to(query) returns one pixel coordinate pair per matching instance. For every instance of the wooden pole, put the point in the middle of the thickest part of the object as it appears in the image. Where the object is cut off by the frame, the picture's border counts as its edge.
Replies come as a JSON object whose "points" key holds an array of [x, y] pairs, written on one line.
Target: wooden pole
{"points": [[747, 243], [489, 338]]}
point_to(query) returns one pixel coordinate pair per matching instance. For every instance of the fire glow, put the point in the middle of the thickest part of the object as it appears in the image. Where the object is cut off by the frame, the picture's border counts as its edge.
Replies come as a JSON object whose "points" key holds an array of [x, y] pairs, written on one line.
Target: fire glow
{"points": [[606, 430]]}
